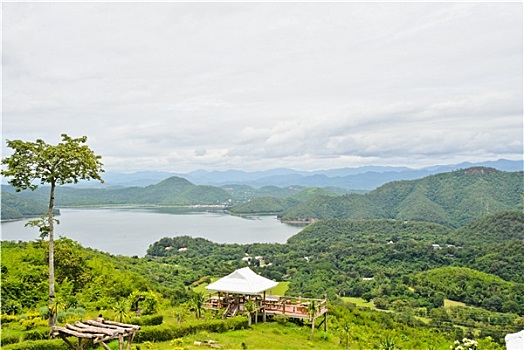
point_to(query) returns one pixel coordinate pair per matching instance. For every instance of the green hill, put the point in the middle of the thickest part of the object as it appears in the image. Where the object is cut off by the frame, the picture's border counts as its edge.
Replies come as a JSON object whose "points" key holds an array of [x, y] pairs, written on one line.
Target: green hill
{"points": [[14, 207], [172, 191], [452, 199]]}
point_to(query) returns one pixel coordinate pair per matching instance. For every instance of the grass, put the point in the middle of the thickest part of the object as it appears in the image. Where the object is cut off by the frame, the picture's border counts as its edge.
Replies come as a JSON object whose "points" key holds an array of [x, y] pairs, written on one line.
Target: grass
{"points": [[280, 289], [452, 303], [202, 287], [359, 302], [260, 336]]}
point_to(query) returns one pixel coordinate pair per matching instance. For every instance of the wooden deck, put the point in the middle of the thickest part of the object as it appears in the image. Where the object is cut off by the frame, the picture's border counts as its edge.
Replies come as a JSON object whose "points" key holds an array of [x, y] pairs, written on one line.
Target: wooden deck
{"points": [[295, 307]]}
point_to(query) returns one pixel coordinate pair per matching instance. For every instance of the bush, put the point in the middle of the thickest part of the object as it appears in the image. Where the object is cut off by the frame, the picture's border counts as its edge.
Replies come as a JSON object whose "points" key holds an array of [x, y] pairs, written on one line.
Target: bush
{"points": [[10, 339], [281, 319], [37, 334], [4, 318], [154, 320], [55, 344]]}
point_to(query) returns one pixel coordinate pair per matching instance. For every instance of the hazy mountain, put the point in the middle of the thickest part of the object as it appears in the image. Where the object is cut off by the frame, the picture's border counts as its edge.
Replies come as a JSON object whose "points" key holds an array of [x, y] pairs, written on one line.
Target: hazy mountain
{"points": [[360, 178]]}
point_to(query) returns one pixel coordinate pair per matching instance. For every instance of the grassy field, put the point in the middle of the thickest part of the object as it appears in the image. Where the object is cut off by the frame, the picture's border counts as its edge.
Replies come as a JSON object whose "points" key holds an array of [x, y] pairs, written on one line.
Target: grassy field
{"points": [[452, 303], [359, 302], [260, 336], [280, 289]]}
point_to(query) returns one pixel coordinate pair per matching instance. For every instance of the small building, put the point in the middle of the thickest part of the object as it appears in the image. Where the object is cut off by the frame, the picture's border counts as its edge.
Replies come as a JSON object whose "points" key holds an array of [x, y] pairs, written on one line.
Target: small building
{"points": [[515, 341], [244, 285]]}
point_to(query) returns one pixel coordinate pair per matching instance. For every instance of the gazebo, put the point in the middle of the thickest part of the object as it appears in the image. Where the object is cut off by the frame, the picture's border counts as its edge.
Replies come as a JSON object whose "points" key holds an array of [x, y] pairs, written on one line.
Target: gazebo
{"points": [[236, 288], [242, 281], [244, 285]]}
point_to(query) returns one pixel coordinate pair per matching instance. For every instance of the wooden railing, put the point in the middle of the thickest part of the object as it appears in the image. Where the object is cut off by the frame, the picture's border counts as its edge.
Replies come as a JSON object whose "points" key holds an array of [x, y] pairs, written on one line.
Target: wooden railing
{"points": [[275, 305]]}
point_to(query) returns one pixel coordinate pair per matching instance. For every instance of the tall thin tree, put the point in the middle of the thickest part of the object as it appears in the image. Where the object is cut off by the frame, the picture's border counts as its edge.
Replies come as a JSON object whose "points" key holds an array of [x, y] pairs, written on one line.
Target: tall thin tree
{"points": [[38, 162]]}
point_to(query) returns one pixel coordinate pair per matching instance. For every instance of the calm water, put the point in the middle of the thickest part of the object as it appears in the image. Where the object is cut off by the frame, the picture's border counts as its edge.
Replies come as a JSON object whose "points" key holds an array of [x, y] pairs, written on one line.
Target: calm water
{"points": [[130, 231]]}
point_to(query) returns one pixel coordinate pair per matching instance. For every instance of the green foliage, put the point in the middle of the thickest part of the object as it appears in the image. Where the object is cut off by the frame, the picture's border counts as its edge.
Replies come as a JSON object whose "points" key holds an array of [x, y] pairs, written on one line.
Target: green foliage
{"points": [[197, 301], [153, 320], [55, 344], [471, 287], [66, 163], [85, 278]]}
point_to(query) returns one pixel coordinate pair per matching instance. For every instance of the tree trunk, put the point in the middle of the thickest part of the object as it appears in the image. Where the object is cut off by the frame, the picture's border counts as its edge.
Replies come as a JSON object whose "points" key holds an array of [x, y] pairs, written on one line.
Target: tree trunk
{"points": [[53, 310]]}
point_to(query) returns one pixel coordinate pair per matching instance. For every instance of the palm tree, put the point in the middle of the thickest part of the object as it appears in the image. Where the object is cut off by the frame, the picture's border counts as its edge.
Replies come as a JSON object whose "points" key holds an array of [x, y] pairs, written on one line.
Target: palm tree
{"points": [[250, 308], [197, 301], [345, 331], [121, 308]]}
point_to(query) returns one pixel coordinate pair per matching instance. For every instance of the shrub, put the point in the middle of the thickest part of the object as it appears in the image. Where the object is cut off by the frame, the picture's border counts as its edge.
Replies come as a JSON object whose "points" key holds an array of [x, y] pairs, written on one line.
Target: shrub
{"points": [[10, 339], [154, 320], [55, 344], [37, 334], [31, 323], [4, 318], [281, 319]]}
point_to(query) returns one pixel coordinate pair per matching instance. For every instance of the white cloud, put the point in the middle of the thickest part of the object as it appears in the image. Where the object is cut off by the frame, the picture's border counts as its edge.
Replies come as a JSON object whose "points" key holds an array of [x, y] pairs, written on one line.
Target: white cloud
{"points": [[182, 86]]}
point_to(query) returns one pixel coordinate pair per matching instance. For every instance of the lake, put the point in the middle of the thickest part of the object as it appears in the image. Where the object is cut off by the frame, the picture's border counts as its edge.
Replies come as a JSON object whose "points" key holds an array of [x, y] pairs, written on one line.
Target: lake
{"points": [[130, 231]]}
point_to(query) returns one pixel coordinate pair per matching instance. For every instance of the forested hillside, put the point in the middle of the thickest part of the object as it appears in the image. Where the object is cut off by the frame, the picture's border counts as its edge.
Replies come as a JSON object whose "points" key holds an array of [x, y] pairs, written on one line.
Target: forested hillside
{"points": [[14, 207], [452, 199]]}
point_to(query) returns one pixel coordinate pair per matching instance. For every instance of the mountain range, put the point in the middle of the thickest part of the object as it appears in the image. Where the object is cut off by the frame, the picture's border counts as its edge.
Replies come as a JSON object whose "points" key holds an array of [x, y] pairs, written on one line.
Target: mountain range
{"points": [[360, 178], [452, 199]]}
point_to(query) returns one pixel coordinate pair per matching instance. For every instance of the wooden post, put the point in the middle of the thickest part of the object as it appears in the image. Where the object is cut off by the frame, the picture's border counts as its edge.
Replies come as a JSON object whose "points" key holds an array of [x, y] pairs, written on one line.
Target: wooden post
{"points": [[264, 308], [325, 321]]}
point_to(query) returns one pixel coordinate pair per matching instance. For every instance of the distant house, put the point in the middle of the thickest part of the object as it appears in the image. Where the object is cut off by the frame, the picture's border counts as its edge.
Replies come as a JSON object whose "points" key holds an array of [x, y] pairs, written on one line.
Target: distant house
{"points": [[436, 246], [368, 278], [182, 249]]}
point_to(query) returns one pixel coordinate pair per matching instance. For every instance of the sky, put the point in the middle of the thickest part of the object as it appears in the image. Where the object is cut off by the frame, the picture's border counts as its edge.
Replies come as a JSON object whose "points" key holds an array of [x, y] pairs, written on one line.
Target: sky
{"points": [[178, 86]]}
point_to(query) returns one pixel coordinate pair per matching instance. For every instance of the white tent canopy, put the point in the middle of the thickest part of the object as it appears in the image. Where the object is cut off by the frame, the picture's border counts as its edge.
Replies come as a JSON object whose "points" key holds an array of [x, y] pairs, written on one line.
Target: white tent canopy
{"points": [[242, 281], [515, 341]]}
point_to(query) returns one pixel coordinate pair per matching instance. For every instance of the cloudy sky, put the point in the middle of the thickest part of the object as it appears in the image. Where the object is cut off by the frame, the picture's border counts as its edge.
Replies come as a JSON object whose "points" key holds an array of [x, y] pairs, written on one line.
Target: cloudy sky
{"points": [[253, 86]]}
